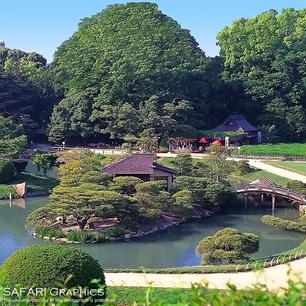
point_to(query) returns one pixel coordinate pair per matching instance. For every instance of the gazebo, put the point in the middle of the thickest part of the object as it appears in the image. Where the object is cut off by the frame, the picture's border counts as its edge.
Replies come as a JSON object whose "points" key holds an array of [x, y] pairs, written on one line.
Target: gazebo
{"points": [[238, 122]]}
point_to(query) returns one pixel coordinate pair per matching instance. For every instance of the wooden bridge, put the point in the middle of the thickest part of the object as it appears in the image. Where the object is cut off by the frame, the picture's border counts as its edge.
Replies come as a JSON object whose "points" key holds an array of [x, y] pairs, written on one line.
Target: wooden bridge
{"points": [[263, 186]]}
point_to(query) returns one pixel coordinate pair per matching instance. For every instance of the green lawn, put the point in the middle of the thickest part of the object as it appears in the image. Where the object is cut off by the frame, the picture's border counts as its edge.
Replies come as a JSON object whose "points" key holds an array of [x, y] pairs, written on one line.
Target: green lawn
{"points": [[297, 167], [273, 177], [5, 191], [280, 149], [34, 183]]}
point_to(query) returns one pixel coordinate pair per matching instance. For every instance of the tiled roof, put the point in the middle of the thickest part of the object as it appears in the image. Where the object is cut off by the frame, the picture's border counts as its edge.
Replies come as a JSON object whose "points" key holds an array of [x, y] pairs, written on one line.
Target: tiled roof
{"points": [[263, 182], [237, 123], [137, 163]]}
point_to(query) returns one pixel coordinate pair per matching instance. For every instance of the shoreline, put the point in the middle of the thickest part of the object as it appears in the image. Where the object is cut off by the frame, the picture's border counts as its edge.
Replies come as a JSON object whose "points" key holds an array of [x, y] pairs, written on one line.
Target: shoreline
{"points": [[134, 235]]}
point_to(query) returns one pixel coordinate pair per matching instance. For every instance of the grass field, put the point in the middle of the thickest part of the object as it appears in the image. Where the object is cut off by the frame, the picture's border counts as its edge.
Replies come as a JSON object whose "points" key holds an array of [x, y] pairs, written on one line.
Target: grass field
{"points": [[126, 296], [297, 167], [273, 177], [34, 183], [280, 149]]}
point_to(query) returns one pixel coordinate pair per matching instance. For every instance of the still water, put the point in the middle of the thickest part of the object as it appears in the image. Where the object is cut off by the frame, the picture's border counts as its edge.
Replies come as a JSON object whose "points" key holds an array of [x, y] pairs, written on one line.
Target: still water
{"points": [[175, 247]]}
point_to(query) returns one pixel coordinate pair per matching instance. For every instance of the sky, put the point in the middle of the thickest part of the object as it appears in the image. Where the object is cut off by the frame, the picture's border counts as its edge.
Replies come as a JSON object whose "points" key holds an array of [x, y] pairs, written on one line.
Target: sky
{"points": [[42, 25]]}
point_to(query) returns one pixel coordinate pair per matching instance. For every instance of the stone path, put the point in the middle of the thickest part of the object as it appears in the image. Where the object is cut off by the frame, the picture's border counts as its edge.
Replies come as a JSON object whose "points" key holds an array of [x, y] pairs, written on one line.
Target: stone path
{"points": [[274, 278]]}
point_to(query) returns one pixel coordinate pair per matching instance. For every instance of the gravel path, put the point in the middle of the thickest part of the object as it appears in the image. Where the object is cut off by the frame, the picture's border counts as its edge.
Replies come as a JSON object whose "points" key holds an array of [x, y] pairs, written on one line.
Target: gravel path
{"points": [[274, 278], [278, 171]]}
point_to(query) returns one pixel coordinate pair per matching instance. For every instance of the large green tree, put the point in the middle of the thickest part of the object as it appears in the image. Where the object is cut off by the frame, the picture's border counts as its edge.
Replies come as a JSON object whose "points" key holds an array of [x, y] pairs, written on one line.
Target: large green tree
{"points": [[227, 244], [12, 139], [134, 65], [266, 55], [26, 90]]}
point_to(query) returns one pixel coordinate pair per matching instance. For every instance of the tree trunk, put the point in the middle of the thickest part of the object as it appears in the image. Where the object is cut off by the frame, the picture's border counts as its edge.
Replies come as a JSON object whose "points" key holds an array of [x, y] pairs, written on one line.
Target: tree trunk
{"points": [[82, 221]]}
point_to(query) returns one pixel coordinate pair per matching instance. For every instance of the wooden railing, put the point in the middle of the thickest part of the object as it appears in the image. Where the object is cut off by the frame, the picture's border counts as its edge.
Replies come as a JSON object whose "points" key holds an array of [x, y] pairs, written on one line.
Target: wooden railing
{"points": [[277, 190]]}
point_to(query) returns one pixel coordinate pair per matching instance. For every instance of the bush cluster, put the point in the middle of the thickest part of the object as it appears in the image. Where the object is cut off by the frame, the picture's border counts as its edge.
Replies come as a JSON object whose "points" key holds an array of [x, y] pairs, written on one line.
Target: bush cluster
{"points": [[7, 171], [85, 236], [286, 224], [46, 266], [80, 236]]}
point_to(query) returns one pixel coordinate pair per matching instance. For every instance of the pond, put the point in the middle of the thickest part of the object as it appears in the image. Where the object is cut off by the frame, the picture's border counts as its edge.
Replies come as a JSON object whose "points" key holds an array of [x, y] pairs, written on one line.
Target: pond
{"points": [[175, 247]]}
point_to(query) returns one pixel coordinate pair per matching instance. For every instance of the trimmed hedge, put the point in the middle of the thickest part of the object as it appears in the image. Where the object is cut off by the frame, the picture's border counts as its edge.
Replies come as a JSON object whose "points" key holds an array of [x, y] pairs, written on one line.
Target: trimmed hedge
{"points": [[7, 171], [46, 266], [286, 224]]}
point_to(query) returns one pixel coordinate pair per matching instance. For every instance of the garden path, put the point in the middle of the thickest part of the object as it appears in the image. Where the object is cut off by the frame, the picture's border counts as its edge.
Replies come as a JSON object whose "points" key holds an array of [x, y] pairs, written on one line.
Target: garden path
{"points": [[275, 278]]}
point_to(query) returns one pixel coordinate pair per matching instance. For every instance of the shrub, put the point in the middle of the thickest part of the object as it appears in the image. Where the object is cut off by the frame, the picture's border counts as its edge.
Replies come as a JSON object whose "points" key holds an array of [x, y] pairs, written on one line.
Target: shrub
{"points": [[7, 171], [242, 167], [40, 217], [298, 226], [96, 177], [297, 186], [117, 231], [49, 232], [127, 183], [20, 165], [46, 266], [85, 236], [227, 244], [183, 203]]}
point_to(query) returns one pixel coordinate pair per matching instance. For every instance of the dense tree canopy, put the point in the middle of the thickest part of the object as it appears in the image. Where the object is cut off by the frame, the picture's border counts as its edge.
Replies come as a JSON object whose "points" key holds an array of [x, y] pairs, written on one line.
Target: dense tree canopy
{"points": [[12, 139], [266, 54], [26, 91], [137, 69]]}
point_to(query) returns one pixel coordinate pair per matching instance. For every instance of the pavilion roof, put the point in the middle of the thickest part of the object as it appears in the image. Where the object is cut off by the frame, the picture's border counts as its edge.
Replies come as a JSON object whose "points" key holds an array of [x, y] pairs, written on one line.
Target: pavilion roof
{"points": [[263, 182], [137, 163], [236, 123]]}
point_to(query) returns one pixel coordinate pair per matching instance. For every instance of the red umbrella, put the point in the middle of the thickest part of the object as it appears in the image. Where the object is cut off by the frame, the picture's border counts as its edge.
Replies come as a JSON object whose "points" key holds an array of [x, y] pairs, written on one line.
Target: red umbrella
{"points": [[217, 143], [203, 140]]}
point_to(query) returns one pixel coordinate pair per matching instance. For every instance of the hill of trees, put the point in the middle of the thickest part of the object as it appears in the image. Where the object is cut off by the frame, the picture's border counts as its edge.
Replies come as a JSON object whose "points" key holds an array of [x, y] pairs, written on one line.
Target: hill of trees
{"points": [[132, 71]]}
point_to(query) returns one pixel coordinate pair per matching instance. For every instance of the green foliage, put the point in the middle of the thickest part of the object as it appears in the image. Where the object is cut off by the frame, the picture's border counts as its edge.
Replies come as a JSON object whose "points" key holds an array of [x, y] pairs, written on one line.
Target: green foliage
{"points": [[45, 266], [127, 183], [83, 202], [6, 190], [111, 158], [266, 55], [7, 171], [279, 180], [97, 177], [50, 232], [40, 217], [145, 75], [85, 236], [297, 186], [12, 140], [183, 163], [35, 182], [20, 165], [281, 149], [147, 144], [289, 225], [242, 167], [227, 244], [222, 134], [182, 204], [26, 89], [151, 199], [164, 143], [116, 231], [44, 161]]}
